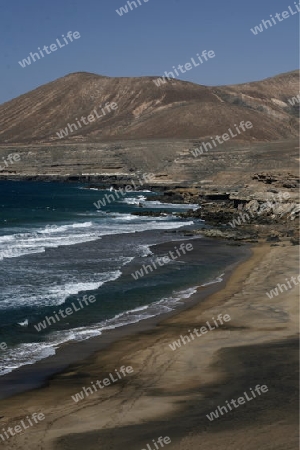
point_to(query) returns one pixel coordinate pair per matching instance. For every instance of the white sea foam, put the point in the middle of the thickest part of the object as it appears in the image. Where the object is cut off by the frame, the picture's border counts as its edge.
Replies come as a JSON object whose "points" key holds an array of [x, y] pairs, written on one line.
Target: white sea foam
{"points": [[219, 279], [54, 295], [154, 204], [144, 250], [30, 353], [134, 200], [26, 354], [38, 240]]}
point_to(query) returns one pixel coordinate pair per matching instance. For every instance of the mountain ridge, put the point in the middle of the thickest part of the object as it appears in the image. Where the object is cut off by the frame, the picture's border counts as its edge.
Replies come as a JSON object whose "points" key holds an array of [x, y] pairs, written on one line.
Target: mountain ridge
{"points": [[177, 109]]}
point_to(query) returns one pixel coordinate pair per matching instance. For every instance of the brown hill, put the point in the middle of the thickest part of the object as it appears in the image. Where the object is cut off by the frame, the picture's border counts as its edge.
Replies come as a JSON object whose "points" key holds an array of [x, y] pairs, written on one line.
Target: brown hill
{"points": [[176, 109]]}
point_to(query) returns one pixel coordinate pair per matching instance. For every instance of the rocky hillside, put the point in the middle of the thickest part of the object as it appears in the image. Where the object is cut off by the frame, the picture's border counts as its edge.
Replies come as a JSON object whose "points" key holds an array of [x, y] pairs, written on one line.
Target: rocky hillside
{"points": [[176, 109], [268, 208]]}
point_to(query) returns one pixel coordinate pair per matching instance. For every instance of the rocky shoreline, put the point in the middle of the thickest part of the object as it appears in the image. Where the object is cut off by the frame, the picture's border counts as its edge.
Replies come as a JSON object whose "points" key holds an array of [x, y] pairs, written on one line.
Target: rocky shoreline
{"points": [[268, 209]]}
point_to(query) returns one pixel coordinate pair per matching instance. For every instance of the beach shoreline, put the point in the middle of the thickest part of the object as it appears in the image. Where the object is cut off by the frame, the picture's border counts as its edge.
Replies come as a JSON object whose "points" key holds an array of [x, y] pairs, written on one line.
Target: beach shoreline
{"points": [[38, 374], [170, 392]]}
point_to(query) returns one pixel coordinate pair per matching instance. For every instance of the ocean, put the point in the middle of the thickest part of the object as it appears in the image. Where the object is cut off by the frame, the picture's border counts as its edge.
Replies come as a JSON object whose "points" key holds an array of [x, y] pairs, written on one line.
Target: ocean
{"points": [[56, 247]]}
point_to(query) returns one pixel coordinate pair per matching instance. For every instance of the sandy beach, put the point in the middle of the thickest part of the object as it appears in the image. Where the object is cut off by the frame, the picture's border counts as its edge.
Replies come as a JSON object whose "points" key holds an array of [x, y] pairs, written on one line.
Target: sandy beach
{"points": [[149, 225], [169, 393]]}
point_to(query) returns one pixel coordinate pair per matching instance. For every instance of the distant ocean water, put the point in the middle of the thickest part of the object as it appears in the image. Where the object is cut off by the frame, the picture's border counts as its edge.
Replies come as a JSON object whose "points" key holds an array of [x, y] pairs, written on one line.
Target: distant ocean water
{"points": [[55, 246]]}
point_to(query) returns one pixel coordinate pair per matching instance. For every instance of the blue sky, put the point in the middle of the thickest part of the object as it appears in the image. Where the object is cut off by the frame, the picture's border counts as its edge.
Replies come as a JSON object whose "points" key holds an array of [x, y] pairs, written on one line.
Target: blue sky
{"points": [[146, 41]]}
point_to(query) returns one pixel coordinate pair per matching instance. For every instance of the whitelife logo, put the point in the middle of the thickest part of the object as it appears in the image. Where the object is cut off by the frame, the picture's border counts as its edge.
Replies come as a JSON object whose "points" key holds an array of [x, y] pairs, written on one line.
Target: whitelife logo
{"points": [[206, 55], [124, 9], [274, 292], [161, 441], [226, 137], [162, 261], [199, 332], [10, 159], [267, 23], [106, 382], [53, 47], [24, 424], [71, 127], [294, 100], [64, 313], [3, 346], [114, 196], [236, 403], [256, 211]]}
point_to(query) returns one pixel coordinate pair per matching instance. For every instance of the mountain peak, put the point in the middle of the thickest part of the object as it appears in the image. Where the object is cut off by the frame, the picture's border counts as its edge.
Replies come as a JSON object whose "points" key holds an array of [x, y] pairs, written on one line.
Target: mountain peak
{"points": [[174, 109]]}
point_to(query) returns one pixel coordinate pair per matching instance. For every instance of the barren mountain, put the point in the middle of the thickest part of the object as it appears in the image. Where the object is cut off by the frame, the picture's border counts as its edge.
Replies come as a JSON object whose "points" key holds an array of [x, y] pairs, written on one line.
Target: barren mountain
{"points": [[176, 109]]}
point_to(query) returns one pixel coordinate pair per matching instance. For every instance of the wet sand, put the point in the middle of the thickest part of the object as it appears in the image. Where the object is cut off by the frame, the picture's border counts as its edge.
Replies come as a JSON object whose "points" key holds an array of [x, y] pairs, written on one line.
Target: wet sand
{"points": [[170, 392]]}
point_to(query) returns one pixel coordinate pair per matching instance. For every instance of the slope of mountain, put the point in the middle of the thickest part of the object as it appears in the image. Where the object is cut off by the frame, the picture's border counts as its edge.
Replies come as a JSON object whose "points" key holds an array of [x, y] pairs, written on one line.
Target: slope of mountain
{"points": [[176, 109]]}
